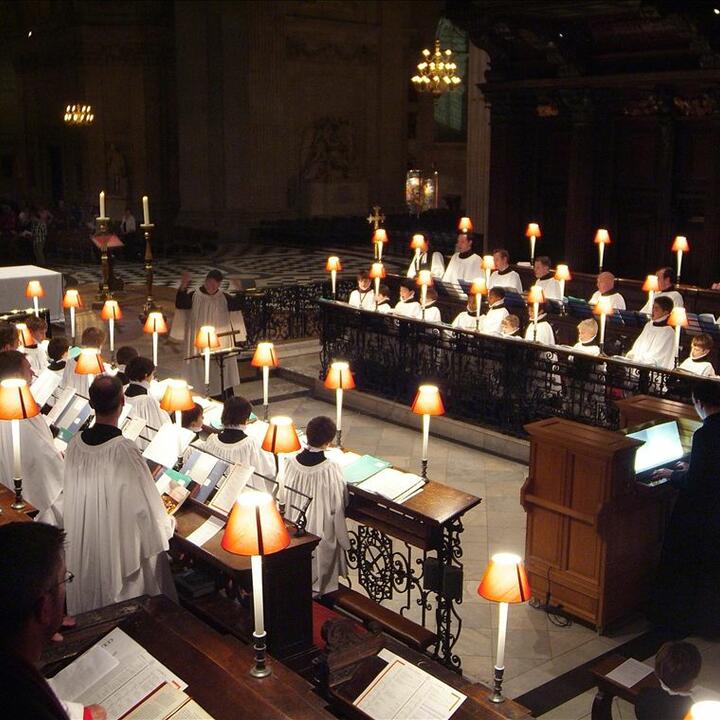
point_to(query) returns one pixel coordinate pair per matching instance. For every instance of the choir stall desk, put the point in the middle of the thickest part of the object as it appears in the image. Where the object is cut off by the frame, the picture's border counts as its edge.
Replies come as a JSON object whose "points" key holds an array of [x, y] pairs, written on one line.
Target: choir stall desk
{"points": [[8, 514], [287, 585], [214, 666], [608, 689], [591, 528]]}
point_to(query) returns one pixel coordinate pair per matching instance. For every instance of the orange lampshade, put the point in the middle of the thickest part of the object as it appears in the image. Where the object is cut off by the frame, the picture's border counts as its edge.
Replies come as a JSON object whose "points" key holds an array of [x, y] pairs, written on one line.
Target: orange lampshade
{"points": [[424, 277], [704, 710], [333, 263], [536, 295], [418, 242], [377, 270], [72, 299], [428, 401], [465, 225], [265, 356], [479, 287], [24, 335], [339, 377], [678, 317], [281, 436], [16, 400], [604, 306], [207, 338], [488, 263], [505, 580], [533, 230], [177, 396], [562, 272], [651, 284], [255, 526], [34, 289], [602, 236], [111, 310], [155, 323], [89, 362], [380, 235], [680, 244]]}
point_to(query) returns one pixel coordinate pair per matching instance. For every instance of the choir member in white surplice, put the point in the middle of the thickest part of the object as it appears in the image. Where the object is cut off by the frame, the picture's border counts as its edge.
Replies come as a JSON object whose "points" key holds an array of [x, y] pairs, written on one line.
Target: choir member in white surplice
{"points": [[432, 311], [234, 445], [544, 333], [606, 288], [41, 462], [656, 343], [467, 319], [408, 306], [464, 264], [491, 321], [428, 260], [383, 300], [587, 334], [116, 523], [312, 473], [57, 349], [123, 356], [363, 296], [666, 284], [208, 306], [92, 337], [139, 372], [37, 351], [510, 327], [545, 278], [504, 275], [698, 362]]}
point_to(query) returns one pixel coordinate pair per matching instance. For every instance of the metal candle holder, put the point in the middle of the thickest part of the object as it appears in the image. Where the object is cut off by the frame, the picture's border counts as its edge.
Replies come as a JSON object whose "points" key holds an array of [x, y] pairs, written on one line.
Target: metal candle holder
{"points": [[149, 302], [19, 503], [103, 229], [496, 696]]}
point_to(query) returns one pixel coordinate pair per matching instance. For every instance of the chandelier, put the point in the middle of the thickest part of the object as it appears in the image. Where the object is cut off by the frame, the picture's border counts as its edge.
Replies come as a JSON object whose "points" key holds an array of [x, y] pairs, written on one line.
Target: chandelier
{"points": [[436, 73], [79, 115]]}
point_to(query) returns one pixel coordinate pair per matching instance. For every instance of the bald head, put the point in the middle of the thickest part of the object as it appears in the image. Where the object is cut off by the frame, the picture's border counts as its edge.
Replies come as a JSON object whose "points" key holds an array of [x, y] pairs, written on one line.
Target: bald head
{"points": [[605, 282]]}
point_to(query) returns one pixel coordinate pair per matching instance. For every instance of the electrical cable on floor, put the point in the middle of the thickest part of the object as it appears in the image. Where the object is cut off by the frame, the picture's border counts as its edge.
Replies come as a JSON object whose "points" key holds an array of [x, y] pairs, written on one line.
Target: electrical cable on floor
{"points": [[555, 613]]}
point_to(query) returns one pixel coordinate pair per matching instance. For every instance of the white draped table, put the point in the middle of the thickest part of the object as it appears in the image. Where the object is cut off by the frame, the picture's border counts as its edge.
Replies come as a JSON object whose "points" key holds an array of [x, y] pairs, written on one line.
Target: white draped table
{"points": [[14, 280]]}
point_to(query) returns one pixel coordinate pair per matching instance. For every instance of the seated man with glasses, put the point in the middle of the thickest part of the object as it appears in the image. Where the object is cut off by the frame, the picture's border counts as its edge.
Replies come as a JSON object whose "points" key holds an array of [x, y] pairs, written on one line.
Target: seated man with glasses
{"points": [[32, 604]]}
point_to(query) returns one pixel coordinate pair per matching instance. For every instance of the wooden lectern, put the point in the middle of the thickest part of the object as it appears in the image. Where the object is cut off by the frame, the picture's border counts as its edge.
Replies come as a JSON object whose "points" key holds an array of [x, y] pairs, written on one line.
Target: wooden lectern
{"points": [[594, 534]]}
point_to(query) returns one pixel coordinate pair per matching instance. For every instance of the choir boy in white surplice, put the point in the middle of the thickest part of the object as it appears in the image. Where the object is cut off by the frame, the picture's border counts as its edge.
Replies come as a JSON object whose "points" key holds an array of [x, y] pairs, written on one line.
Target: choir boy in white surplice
{"points": [[428, 260], [544, 333], [37, 352], [408, 306], [464, 264], [312, 473], [432, 311], [116, 523], [656, 343], [140, 371], [92, 337], [545, 279], [587, 334], [192, 419], [510, 327], [504, 275], [234, 445], [363, 296], [383, 300], [698, 362], [497, 312], [208, 306], [606, 288], [41, 462], [58, 347], [666, 284], [467, 319], [123, 356]]}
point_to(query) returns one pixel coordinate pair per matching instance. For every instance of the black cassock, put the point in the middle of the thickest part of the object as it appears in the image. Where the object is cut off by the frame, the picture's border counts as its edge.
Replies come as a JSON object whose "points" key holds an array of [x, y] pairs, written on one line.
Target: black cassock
{"points": [[687, 595]]}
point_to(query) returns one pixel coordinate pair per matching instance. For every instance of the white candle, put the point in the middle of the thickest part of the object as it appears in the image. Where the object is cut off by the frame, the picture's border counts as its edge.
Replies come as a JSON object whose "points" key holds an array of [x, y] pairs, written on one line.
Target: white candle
{"points": [[601, 252], [146, 210], [487, 277], [562, 290], [532, 248], [651, 299], [256, 564], [536, 308], [266, 384], [677, 341], [15, 428], [426, 435], [36, 306], [423, 295], [207, 365], [379, 248], [418, 252], [338, 408], [111, 323], [72, 323], [679, 262], [602, 329], [102, 203], [377, 290], [178, 422], [502, 630], [333, 280], [281, 479], [478, 303], [155, 348]]}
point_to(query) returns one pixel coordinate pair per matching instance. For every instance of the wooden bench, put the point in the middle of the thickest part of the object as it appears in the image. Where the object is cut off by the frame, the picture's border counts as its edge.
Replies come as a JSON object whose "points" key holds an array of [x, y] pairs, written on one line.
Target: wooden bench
{"points": [[608, 689], [368, 611]]}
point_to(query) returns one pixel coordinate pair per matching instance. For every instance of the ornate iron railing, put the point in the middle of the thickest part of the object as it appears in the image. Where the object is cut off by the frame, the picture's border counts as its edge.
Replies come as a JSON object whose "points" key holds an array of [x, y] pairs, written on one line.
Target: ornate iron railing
{"points": [[502, 383]]}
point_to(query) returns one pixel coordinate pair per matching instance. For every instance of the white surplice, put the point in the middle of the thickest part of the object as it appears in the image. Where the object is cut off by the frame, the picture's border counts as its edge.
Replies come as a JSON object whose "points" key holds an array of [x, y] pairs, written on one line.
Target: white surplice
{"points": [[617, 301], [491, 321], [432, 314], [364, 299], [467, 268], [116, 524], [506, 278], [465, 321], [37, 357], [70, 378], [550, 287], [701, 366], [41, 465], [410, 309], [246, 452], [437, 265], [325, 518], [674, 295], [654, 346], [383, 308], [545, 334], [587, 349], [148, 408]]}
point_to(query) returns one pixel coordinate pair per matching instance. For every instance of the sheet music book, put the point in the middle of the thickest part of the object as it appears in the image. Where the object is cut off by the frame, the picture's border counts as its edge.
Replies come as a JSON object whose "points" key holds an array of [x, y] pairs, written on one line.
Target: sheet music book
{"points": [[393, 484], [363, 468], [61, 403], [233, 485], [164, 448], [629, 673], [168, 703], [45, 385], [118, 683], [402, 691], [133, 427], [211, 527], [73, 418], [205, 470], [342, 457], [173, 488]]}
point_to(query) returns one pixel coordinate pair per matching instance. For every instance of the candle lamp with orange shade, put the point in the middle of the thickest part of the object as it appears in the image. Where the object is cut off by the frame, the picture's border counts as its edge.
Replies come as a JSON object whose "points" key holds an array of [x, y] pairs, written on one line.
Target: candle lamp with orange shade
{"points": [[207, 340], [704, 710], [678, 320], [35, 291], [465, 225], [281, 437], [333, 266], [72, 301], [602, 238], [680, 245], [155, 323], [505, 581], [255, 528], [89, 362], [419, 245], [379, 238], [377, 273], [478, 289], [265, 357], [339, 378], [603, 308], [532, 233], [535, 298], [111, 312], [488, 265], [175, 399], [651, 286], [428, 402], [562, 275]]}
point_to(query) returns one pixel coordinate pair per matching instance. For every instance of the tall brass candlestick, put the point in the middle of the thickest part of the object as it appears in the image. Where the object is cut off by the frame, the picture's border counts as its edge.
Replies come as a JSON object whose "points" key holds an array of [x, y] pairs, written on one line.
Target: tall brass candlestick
{"points": [[103, 231], [149, 302]]}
